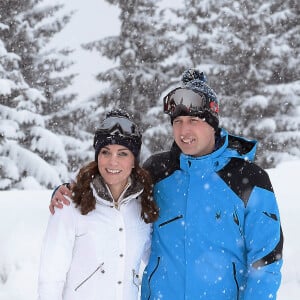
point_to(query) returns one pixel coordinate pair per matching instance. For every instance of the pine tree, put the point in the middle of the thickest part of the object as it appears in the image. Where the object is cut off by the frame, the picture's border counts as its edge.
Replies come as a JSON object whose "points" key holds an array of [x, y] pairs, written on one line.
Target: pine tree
{"points": [[250, 55], [19, 125], [257, 56], [46, 70], [195, 25], [28, 147], [142, 70]]}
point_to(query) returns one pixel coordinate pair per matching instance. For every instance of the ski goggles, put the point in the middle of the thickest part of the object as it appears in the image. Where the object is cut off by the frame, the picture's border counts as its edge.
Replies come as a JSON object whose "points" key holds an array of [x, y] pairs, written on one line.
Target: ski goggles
{"points": [[119, 125], [182, 99]]}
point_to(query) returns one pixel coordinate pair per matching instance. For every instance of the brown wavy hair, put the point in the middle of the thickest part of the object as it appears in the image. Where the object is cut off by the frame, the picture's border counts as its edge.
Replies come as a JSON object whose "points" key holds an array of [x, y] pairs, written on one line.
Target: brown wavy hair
{"points": [[83, 197]]}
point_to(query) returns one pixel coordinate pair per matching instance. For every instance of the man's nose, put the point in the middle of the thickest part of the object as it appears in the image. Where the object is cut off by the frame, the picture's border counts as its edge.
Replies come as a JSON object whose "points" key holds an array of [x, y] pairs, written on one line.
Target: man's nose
{"points": [[185, 128]]}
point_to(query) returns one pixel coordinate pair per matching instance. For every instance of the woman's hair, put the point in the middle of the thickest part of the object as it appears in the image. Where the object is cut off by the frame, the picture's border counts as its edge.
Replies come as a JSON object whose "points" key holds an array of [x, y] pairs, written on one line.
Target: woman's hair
{"points": [[83, 197]]}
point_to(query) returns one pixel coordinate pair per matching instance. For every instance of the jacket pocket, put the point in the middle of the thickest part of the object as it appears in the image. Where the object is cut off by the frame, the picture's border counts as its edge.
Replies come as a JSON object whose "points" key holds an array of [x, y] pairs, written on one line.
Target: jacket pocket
{"points": [[99, 268], [170, 221], [151, 276]]}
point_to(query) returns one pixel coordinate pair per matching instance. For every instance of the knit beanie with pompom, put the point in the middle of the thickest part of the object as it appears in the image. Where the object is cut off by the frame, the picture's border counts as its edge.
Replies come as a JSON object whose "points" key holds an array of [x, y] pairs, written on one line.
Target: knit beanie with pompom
{"points": [[194, 98]]}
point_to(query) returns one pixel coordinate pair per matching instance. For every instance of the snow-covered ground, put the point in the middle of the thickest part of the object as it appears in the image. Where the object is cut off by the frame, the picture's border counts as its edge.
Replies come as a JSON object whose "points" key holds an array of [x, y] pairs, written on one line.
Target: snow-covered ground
{"points": [[24, 216]]}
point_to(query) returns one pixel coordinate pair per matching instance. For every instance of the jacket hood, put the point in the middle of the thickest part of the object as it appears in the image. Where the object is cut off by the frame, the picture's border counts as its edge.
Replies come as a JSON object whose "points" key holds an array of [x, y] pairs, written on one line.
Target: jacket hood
{"points": [[238, 146]]}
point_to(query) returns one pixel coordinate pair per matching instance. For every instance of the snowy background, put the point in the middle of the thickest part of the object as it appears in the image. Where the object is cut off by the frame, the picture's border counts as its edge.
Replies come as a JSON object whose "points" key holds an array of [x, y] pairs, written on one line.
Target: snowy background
{"points": [[24, 214], [129, 54], [93, 20]]}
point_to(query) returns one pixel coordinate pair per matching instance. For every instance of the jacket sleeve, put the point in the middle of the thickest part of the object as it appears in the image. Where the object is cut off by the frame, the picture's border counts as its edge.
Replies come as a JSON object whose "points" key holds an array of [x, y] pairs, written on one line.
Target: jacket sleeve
{"points": [[264, 241], [56, 254]]}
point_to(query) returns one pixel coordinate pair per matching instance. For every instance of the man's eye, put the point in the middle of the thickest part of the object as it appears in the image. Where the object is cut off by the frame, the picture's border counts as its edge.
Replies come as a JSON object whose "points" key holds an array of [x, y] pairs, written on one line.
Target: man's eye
{"points": [[198, 119]]}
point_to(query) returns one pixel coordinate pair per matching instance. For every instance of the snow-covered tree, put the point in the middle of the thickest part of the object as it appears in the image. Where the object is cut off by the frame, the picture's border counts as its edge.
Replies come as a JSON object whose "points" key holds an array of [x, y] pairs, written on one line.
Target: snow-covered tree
{"points": [[32, 24], [31, 86], [22, 135], [141, 69], [256, 74], [195, 23], [250, 54], [46, 69]]}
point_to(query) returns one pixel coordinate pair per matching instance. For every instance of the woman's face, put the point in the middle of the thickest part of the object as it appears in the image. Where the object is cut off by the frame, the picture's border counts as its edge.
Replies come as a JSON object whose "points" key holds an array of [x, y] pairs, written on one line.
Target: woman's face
{"points": [[115, 163]]}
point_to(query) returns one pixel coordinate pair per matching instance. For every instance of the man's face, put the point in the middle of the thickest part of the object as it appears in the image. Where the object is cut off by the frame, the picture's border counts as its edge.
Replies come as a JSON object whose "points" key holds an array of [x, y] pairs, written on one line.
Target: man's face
{"points": [[193, 135]]}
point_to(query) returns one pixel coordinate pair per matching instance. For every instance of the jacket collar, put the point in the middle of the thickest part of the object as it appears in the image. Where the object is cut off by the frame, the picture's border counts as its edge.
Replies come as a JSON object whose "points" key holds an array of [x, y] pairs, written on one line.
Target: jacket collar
{"points": [[103, 195], [227, 147]]}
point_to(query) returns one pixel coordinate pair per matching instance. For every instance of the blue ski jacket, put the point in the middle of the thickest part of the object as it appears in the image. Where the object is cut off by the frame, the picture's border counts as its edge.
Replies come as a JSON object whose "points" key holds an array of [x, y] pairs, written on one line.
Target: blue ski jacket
{"points": [[218, 235]]}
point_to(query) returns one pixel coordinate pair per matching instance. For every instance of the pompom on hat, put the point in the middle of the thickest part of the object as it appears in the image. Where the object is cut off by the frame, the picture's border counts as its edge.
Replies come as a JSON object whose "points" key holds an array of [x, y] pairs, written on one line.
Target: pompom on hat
{"points": [[118, 128], [194, 98]]}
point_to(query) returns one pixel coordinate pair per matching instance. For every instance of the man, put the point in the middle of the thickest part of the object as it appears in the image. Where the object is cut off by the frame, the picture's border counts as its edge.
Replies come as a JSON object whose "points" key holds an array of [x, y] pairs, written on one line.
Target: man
{"points": [[218, 235]]}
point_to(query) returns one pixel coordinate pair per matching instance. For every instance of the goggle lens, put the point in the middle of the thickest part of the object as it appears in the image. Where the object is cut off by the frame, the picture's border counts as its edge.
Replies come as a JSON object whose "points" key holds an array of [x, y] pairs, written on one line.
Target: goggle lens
{"points": [[184, 99], [120, 125]]}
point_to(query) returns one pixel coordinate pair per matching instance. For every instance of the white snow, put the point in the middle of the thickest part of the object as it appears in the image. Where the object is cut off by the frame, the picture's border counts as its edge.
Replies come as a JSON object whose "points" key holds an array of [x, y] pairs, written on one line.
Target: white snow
{"points": [[6, 86]]}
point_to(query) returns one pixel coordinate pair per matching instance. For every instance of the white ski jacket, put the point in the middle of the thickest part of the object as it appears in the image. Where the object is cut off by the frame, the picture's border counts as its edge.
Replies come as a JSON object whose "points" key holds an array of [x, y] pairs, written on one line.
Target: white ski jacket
{"points": [[94, 256]]}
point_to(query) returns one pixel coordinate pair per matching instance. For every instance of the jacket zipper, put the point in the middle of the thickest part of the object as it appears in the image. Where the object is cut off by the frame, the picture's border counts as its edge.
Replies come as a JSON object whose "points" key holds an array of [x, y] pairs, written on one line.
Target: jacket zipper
{"points": [[236, 282], [150, 277], [171, 220], [85, 280]]}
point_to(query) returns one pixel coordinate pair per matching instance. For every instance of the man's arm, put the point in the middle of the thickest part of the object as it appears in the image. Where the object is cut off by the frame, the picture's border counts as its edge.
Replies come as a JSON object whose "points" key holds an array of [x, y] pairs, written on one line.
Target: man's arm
{"points": [[58, 198], [264, 241]]}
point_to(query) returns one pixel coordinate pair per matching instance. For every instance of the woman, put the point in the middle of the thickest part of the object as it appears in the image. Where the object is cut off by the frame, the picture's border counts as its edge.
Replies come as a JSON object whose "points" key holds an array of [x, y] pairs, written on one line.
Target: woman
{"points": [[94, 247]]}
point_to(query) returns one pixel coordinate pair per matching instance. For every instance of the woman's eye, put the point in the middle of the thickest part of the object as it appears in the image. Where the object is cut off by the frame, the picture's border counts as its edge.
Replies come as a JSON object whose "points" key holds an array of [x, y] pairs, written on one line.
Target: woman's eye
{"points": [[122, 153], [104, 152]]}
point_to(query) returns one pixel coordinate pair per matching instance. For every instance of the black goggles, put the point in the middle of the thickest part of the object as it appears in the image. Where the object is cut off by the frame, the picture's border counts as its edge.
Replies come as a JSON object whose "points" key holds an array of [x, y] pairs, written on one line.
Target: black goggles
{"points": [[182, 99], [119, 125]]}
